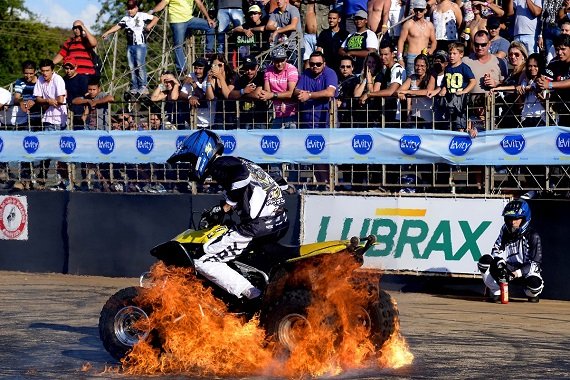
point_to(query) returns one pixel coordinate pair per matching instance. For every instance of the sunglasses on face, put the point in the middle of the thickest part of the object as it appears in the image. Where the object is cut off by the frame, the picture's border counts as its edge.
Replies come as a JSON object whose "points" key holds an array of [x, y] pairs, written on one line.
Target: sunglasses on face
{"points": [[418, 10], [515, 54], [478, 45], [68, 67], [254, 13], [359, 19], [345, 66], [220, 65], [76, 27], [317, 64]]}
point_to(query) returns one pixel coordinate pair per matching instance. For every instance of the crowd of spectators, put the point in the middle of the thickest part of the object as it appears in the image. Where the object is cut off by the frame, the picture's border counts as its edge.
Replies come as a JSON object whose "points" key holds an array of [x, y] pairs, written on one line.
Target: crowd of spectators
{"points": [[422, 63]]}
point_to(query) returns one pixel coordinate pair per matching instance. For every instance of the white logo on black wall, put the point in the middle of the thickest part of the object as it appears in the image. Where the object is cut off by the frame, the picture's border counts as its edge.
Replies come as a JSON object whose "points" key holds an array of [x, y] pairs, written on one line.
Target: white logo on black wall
{"points": [[14, 218]]}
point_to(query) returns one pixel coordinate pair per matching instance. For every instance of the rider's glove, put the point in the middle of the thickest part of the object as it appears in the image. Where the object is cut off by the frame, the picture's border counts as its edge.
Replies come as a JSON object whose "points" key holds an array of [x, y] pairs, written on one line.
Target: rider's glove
{"points": [[216, 214]]}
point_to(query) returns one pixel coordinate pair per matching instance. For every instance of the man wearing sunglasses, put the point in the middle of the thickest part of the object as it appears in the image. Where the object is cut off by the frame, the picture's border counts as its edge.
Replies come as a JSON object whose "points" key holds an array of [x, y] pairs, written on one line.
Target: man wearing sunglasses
{"points": [[316, 86], [79, 47], [499, 46], [419, 34], [486, 67], [359, 44]]}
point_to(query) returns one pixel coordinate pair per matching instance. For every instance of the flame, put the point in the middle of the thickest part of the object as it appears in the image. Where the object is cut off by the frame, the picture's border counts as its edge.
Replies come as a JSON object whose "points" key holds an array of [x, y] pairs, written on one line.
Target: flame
{"points": [[198, 335], [395, 352]]}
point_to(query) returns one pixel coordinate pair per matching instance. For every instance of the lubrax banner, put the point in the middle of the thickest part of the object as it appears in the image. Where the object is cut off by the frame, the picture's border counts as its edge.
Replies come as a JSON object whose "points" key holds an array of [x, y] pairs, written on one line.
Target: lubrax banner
{"points": [[520, 146], [446, 235]]}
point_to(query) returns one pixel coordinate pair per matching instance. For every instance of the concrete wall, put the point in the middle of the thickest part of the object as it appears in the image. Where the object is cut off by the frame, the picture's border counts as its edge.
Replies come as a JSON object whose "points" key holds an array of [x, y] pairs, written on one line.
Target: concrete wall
{"points": [[112, 234]]}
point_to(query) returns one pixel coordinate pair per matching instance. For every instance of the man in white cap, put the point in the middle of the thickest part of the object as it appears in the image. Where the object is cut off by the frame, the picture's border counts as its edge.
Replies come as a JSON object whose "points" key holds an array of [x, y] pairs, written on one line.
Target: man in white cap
{"points": [[418, 33], [250, 37], [359, 44]]}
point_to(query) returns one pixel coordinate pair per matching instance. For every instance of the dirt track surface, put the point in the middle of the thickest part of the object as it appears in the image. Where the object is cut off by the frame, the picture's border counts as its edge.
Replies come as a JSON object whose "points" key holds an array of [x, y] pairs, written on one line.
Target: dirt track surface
{"points": [[48, 330]]}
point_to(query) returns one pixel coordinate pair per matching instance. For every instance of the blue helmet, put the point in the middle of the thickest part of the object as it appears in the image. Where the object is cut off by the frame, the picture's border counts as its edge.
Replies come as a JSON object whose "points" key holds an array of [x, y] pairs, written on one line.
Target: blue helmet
{"points": [[199, 150], [518, 209]]}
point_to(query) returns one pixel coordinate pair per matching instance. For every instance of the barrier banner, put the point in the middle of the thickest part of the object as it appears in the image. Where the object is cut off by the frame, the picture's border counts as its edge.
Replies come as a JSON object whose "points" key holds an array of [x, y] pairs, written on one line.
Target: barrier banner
{"points": [[13, 218], [521, 146], [446, 235]]}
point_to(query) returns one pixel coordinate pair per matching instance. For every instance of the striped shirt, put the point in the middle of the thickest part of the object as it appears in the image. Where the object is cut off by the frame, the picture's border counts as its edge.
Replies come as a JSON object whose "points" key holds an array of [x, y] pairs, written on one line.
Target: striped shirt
{"points": [[78, 49]]}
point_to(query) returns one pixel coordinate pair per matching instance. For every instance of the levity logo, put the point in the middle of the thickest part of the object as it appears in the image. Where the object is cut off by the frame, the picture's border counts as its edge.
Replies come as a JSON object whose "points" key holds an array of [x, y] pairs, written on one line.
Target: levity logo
{"points": [[460, 145], [362, 144], [412, 234], [513, 144], [562, 143], [229, 142], [106, 144], [67, 144], [31, 144], [145, 144], [270, 144], [180, 140], [409, 144], [315, 144]]}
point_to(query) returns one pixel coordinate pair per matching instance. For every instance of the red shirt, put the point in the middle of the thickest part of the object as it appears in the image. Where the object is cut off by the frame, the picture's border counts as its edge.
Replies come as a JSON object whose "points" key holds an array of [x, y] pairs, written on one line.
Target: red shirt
{"points": [[79, 50]]}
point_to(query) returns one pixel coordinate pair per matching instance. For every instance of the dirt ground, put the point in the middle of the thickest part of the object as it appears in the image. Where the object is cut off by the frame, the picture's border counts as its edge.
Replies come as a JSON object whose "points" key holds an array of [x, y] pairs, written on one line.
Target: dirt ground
{"points": [[48, 330]]}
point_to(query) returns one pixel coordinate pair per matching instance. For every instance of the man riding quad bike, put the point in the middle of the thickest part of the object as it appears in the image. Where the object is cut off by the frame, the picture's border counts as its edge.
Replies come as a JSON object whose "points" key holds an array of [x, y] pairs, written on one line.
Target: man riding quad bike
{"points": [[249, 191], [247, 268]]}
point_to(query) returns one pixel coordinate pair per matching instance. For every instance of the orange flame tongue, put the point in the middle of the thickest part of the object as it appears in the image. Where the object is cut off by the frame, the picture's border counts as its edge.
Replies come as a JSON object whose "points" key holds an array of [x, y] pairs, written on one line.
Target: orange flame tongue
{"points": [[199, 336], [196, 332]]}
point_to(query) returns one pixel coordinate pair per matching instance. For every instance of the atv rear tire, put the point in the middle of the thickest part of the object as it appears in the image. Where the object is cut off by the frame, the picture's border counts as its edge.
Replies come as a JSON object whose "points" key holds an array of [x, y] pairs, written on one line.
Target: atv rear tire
{"points": [[116, 322], [286, 319], [384, 318]]}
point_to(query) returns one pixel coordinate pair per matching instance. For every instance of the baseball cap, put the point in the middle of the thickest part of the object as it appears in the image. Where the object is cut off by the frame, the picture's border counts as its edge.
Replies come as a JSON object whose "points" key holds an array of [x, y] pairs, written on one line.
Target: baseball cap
{"points": [[441, 54], [493, 23], [419, 4], [254, 8], [249, 61], [69, 61], [361, 14], [200, 62], [279, 53]]}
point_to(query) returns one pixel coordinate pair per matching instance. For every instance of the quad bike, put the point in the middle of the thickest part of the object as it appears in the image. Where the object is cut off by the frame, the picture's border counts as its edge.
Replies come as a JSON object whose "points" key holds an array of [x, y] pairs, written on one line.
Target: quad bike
{"points": [[272, 268]]}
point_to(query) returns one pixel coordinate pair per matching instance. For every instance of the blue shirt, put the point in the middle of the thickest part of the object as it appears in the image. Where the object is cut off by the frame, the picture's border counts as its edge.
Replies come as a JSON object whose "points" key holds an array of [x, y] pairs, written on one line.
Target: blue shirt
{"points": [[457, 78], [315, 112]]}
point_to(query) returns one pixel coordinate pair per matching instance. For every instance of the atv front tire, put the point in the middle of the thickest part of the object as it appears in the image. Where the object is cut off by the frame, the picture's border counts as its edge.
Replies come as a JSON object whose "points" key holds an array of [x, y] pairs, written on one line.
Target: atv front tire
{"points": [[116, 322], [384, 318]]}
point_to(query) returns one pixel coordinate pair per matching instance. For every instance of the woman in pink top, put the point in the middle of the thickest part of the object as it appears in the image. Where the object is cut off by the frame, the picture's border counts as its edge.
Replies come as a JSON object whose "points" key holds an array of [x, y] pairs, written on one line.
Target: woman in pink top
{"points": [[280, 81]]}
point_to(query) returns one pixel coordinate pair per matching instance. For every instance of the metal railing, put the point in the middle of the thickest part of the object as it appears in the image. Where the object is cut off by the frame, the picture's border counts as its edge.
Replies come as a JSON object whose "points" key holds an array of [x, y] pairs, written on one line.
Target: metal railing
{"points": [[493, 112]]}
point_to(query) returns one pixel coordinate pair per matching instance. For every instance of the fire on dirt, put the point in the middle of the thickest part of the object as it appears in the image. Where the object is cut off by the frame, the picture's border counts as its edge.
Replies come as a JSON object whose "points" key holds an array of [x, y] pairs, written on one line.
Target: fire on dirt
{"points": [[198, 336]]}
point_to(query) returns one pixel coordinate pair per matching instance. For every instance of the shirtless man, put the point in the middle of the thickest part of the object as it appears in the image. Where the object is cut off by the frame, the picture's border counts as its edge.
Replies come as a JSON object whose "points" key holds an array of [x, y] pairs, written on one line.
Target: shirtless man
{"points": [[419, 34], [378, 13]]}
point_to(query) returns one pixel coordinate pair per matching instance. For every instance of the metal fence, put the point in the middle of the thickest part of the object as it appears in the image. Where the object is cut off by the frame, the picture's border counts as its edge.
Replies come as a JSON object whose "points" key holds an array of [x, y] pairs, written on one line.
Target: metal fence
{"points": [[496, 110]]}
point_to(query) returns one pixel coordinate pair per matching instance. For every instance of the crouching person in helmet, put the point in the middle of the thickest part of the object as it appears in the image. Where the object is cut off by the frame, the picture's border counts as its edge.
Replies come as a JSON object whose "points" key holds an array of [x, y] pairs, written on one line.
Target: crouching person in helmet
{"points": [[517, 253], [249, 191]]}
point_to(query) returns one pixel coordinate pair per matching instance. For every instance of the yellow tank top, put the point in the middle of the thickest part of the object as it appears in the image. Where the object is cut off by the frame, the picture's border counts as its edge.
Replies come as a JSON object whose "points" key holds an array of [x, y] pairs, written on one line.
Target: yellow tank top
{"points": [[180, 10]]}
